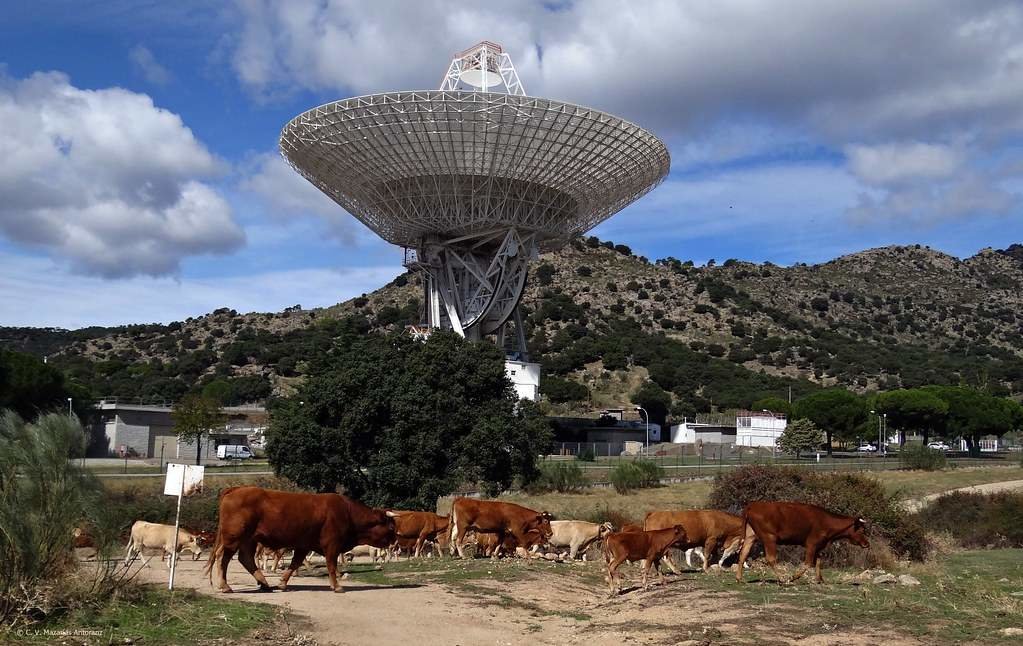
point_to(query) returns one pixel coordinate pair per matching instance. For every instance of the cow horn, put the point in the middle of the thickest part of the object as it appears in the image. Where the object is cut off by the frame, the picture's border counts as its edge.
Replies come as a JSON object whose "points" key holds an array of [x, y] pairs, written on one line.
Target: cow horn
{"points": [[392, 514]]}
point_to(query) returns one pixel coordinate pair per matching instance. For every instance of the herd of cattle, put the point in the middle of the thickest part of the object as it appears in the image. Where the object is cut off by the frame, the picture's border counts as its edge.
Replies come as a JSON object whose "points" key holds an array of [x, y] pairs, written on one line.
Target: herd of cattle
{"points": [[261, 524]]}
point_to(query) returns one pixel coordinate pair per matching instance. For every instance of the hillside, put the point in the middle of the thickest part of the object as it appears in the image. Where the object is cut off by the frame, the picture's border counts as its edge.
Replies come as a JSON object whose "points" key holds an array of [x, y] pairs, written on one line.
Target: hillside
{"points": [[717, 336]]}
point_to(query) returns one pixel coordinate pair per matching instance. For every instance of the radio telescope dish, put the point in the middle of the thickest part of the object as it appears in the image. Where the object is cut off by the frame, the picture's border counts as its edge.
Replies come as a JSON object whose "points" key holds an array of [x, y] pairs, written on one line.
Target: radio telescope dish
{"points": [[474, 179]]}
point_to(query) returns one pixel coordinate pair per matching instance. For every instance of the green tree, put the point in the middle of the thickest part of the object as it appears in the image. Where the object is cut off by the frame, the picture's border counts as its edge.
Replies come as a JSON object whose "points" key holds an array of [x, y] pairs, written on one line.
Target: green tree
{"points": [[655, 400], [397, 422], [913, 409], [28, 386], [195, 416], [973, 414], [800, 435], [773, 404], [837, 411]]}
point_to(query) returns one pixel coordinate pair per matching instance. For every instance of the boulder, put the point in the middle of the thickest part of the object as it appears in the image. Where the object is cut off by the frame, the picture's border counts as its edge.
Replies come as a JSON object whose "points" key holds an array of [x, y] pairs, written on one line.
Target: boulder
{"points": [[883, 579], [905, 579], [1011, 632]]}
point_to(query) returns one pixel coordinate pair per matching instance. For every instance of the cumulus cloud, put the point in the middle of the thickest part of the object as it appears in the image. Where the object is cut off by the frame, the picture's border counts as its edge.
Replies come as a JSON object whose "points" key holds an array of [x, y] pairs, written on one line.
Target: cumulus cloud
{"points": [[144, 61], [287, 195], [895, 164], [105, 180]]}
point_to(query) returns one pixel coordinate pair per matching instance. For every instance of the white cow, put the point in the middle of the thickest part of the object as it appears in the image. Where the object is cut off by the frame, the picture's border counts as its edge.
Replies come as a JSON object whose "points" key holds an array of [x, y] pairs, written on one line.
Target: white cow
{"points": [[156, 536], [375, 553], [577, 535]]}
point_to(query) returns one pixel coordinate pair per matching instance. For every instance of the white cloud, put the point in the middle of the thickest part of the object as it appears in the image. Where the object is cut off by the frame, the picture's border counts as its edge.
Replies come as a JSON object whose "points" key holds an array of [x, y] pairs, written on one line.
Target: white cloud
{"points": [[148, 66], [35, 291], [287, 195], [896, 163], [105, 180]]}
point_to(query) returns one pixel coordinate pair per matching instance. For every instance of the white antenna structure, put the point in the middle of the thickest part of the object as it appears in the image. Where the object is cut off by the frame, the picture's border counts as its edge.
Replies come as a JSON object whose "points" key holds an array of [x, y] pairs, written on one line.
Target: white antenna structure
{"points": [[484, 66]]}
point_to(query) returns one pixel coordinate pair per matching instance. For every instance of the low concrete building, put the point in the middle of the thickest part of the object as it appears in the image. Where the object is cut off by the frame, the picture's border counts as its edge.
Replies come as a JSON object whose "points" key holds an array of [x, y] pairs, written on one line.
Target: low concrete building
{"points": [[525, 377], [696, 433], [146, 430]]}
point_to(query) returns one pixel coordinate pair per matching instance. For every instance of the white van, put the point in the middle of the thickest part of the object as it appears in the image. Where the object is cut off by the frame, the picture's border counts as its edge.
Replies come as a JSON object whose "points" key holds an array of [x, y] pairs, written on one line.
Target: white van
{"points": [[233, 452]]}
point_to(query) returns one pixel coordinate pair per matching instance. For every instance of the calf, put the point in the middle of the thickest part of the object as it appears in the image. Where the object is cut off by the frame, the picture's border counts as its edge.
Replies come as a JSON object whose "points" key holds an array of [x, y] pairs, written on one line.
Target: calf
{"points": [[706, 529], [577, 535], [795, 523], [155, 536], [500, 518], [374, 553], [646, 546], [420, 527]]}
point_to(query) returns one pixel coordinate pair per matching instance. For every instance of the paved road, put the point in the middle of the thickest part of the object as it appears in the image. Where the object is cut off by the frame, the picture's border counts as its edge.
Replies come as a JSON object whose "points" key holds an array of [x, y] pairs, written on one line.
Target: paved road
{"points": [[209, 474]]}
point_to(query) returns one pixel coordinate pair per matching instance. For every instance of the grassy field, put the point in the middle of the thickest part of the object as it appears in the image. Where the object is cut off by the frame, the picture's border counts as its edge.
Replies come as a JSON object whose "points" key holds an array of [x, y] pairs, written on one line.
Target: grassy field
{"points": [[605, 502], [211, 469], [964, 597], [153, 615]]}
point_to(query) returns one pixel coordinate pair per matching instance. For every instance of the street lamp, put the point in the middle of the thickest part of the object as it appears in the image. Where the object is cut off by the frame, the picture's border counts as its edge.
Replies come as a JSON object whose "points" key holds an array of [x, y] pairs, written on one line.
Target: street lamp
{"points": [[647, 416], [69, 413], [884, 431]]}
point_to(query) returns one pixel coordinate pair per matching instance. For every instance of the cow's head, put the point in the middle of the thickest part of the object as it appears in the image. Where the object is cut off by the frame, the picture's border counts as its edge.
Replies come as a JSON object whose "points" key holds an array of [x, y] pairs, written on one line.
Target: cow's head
{"points": [[378, 531], [605, 529], [542, 524], [678, 535], [857, 533]]}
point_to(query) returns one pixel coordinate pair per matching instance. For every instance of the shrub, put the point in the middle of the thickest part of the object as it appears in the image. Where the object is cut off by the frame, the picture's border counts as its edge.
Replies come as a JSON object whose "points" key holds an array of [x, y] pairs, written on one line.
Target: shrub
{"points": [[583, 270], [639, 474], [586, 455], [918, 456], [562, 477], [978, 520], [850, 494], [45, 497]]}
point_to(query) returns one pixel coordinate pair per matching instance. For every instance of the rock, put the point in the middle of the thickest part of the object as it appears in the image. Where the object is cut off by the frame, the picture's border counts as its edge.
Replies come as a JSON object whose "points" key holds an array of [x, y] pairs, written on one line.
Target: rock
{"points": [[905, 579], [1003, 580], [882, 579], [550, 556], [1011, 632], [866, 576]]}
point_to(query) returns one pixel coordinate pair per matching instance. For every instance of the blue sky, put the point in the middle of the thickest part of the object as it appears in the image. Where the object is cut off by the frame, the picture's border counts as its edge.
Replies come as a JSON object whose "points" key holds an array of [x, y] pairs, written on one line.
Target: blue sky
{"points": [[139, 178]]}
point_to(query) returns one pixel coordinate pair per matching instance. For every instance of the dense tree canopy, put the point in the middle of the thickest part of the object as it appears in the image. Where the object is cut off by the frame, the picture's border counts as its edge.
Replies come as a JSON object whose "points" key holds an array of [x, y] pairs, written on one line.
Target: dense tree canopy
{"points": [[397, 422], [28, 386], [973, 414], [836, 411], [914, 409], [799, 436], [194, 417]]}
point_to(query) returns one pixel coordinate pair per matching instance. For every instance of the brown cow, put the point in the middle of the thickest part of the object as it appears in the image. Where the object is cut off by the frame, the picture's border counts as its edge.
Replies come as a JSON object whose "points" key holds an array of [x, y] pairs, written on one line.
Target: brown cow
{"points": [[796, 523], [705, 528], [327, 523], [632, 527], [420, 526], [500, 518], [646, 546]]}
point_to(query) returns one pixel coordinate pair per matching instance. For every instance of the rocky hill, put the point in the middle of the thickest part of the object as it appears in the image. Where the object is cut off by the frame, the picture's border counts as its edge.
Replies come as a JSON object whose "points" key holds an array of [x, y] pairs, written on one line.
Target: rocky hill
{"points": [[715, 336]]}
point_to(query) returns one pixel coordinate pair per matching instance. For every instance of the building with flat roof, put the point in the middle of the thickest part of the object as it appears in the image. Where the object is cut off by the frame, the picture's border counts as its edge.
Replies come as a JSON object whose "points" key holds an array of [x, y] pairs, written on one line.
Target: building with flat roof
{"points": [[761, 428]]}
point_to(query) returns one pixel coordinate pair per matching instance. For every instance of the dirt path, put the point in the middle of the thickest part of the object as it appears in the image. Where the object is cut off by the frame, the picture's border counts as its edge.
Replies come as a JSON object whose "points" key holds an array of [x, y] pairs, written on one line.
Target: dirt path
{"points": [[992, 487], [421, 615], [542, 608]]}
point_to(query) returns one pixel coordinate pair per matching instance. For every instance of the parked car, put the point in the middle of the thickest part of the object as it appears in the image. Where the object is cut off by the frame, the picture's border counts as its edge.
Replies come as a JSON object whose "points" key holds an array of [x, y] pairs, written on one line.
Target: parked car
{"points": [[939, 446], [866, 448], [233, 452]]}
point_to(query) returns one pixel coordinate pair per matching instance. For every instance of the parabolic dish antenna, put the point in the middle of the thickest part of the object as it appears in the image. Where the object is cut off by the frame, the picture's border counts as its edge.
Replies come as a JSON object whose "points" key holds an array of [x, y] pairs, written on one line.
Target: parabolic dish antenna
{"points": [[474, 180]]}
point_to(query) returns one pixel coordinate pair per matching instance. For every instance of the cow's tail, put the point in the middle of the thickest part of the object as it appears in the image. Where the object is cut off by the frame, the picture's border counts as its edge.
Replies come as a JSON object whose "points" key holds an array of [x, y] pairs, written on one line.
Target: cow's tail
{"points": [[453, 529], [215, 552], [606, 550]]}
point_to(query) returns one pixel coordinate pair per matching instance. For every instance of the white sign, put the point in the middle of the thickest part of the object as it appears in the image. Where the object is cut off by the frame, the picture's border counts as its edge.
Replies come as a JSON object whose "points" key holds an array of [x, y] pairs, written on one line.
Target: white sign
{"points": [[183, 479]]}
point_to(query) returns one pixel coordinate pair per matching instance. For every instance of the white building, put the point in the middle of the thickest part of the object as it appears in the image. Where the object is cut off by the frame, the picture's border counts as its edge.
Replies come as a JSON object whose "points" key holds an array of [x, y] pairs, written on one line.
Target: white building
{"points": [[759, 428], [694, 433], [525, 377]]}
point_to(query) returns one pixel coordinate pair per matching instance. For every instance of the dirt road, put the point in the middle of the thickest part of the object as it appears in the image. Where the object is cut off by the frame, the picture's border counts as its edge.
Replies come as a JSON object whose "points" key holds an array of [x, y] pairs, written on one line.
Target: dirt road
{"points": [[991, 487]]}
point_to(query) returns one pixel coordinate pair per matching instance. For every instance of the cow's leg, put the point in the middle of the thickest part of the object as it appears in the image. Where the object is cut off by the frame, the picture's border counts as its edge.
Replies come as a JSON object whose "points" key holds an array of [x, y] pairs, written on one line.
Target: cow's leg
{"points": [[808, 562], [614, 576], [297, 559], [730, 548], [331, 555], [129, 553], [820, 579], [247, 557], [671, 563], [707, 553], [771, 554], [747, 546], [226, 554], [689, 557], [458, 530]]}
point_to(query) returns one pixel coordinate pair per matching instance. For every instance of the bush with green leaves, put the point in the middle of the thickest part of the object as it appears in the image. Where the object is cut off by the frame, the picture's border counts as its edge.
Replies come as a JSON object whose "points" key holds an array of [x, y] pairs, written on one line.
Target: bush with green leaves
{"points": [[978, 520], [918, 456], [851, 494], [639, 474], [44, 497], [586, 454], [560, 476], [800, 436]]}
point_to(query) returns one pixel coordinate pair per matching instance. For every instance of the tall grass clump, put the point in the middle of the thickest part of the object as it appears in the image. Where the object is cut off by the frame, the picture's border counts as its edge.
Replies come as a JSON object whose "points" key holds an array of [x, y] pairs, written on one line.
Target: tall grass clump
{"points": [[563, 477], [44, 497], [638, 474], [918, 456]]}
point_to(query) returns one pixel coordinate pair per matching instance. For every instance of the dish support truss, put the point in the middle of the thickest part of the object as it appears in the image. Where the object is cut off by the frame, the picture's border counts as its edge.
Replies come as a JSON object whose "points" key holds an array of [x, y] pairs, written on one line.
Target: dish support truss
{"points": [[479, 64], [473, 285]]}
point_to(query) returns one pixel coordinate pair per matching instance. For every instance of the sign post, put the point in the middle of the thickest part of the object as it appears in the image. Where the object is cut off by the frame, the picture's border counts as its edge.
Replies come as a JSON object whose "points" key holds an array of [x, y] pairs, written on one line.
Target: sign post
{"points": [[182, 480]]}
